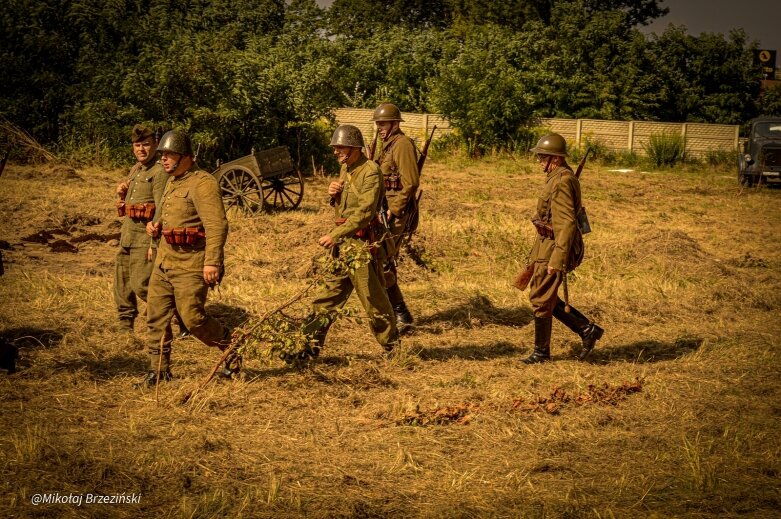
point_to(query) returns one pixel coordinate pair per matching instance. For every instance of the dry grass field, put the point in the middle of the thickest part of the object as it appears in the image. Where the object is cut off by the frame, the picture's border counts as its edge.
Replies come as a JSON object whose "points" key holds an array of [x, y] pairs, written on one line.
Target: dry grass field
{"points": [[676, 414]]}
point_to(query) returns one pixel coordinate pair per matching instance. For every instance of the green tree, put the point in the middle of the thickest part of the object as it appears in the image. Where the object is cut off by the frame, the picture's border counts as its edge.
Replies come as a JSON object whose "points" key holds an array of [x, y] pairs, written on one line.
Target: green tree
{"points": [[482, 88], [708, 78], [770, 101]]}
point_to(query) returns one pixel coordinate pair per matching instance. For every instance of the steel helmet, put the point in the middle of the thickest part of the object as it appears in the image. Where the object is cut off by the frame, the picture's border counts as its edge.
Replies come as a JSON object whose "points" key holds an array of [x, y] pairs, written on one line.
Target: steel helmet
{"points": [[347, 135], [176, 141], [387, 112], [551, 144]]}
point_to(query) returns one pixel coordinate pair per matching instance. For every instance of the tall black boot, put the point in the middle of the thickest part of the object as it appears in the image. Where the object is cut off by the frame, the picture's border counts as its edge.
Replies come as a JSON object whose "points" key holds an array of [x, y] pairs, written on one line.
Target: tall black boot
{"points": [[542, 331], [234, 361], [404, 320], [588, 331]]}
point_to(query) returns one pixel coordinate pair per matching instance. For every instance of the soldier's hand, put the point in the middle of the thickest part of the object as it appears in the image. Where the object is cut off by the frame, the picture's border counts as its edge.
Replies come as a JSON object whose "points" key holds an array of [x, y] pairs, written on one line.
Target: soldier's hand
{"points": [[334, 188], [122, 188], [327, 242], [150, 253], [211, 274], [552, 270], [153, 229]]}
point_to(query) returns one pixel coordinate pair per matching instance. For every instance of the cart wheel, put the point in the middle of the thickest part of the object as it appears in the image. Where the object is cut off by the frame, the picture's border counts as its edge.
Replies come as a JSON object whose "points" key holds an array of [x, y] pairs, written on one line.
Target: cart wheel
{"points": [[284, 191], [241, 190]]}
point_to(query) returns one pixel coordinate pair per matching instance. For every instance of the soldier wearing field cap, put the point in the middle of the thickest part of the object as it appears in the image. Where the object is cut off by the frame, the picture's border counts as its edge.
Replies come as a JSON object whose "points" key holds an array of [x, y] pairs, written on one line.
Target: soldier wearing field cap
{"points": [[557, 250], [192, 230], [139, 195], [358, 198], [398, 162]]}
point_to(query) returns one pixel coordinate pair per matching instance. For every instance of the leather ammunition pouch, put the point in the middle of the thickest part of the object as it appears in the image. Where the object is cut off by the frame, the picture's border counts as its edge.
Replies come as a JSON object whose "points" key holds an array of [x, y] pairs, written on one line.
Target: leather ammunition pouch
{"points": [[521, 281], [120, 208], [392, 182], [371, 234], [544, 229], [183, 235], [145, 211]]}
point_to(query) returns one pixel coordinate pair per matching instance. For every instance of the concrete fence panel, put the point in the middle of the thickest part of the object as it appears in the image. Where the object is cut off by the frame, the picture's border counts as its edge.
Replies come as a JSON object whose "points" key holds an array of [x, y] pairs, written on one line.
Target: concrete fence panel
{"points": [[632, 136]]}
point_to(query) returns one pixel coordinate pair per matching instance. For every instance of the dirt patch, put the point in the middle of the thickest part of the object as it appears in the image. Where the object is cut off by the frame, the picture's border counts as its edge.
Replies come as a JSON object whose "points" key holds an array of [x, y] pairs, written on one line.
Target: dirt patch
{"points": [[559, 398], [62, 246], [96, 237], [605, 394], [39, 237], [460, 414]]}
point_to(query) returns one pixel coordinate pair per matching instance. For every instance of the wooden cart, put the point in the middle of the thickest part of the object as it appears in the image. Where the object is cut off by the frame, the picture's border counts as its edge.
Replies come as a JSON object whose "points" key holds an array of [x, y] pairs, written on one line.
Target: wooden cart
{"points": [[265, 179]]}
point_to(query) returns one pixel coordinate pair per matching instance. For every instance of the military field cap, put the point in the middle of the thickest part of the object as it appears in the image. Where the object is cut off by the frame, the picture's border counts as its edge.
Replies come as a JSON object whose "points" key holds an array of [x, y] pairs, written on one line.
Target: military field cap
{"points": [[387, 112], [347, 135], [176, 141], [140, 132], [551, 144]]}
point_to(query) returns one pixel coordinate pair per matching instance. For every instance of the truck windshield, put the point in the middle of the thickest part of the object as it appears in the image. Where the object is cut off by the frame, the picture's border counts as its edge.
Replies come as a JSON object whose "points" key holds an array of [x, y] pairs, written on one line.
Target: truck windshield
{"points": [[768, 129]]}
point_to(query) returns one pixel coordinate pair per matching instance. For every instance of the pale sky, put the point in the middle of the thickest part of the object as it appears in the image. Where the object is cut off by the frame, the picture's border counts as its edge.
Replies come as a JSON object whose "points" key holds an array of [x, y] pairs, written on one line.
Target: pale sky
{"points": [[760, 18]]}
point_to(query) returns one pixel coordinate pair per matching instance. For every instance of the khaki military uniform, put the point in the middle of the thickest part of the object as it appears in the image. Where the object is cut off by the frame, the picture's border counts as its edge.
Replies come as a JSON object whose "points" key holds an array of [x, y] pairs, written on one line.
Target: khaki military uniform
{"points": [[131, 275], [399, 165], [191, 200], [357, 206], [558, 206]]}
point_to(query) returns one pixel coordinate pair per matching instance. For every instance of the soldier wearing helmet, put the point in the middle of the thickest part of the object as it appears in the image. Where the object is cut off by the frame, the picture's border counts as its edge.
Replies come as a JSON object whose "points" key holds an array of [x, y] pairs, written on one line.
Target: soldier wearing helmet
{"points": [[358, 195], [191, 221], [398, 162], [557, 250], [139, 194]]}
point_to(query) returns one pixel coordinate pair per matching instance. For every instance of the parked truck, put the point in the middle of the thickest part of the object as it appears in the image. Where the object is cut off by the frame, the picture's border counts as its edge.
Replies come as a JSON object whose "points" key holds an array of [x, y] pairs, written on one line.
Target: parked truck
{"points": [[760, 160]]}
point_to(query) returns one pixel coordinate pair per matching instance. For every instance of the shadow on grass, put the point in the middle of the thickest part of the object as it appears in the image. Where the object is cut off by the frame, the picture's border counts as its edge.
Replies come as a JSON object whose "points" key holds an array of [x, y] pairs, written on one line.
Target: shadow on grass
{"points": [[478, 311], [643, 352], [471, 352], [231, 316], [13, 340], [109, 367], [28, 337]]}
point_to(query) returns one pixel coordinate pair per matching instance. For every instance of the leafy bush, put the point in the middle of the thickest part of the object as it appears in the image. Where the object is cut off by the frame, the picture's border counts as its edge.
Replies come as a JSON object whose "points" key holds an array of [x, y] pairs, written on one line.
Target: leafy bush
{"points": [[665, 149], [718, 158]]}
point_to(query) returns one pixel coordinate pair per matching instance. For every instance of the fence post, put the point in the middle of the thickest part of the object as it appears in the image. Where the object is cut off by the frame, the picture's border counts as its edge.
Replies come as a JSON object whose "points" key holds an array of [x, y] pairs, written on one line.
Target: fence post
{"points": [[631, 142], [578, 127], [683, 135]]}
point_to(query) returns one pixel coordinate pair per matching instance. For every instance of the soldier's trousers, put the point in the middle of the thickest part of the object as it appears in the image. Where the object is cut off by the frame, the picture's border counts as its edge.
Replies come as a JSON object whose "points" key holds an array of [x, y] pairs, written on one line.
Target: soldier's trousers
{"points": [[396, 228], [544, 289], [186, 292], [372, 295], [544, 298], [131, 280]]}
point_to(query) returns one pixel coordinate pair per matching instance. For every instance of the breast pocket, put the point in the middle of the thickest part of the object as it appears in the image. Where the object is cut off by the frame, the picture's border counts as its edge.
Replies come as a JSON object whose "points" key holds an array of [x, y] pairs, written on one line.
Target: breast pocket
{"points": [[179, 204]]}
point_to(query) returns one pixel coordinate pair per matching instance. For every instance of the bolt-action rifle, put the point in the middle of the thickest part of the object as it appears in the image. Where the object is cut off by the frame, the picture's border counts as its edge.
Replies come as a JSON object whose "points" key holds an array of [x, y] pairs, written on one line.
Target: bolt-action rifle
{"points": [[372, 148], [413, 206]]}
